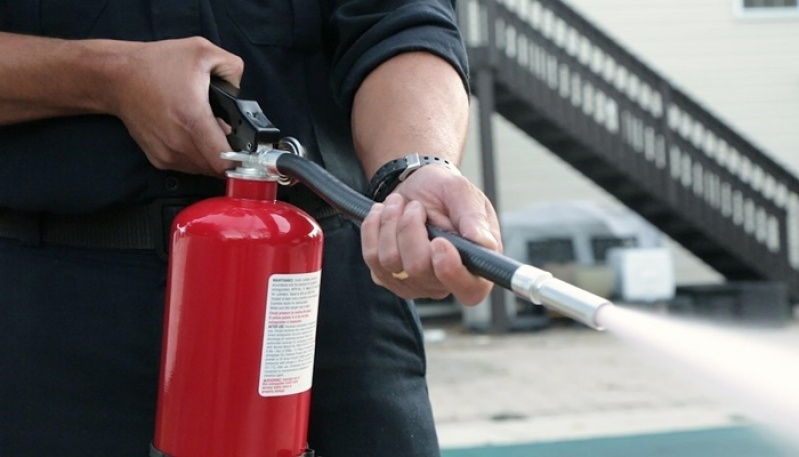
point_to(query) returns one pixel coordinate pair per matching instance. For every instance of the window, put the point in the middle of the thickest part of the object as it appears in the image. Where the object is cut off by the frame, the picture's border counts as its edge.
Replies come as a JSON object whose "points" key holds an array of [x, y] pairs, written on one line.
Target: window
{"points": [[766, 8], [550, 250], [770, 3], [601, 245]]}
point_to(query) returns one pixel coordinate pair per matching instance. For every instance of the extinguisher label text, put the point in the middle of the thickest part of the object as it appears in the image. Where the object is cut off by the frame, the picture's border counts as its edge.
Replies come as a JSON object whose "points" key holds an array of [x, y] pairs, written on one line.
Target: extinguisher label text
{"points": [[287, 355]]}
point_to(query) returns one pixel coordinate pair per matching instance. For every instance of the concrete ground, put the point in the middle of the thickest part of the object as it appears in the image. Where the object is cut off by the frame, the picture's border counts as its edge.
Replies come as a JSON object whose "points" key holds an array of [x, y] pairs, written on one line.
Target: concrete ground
{"points": [[565, 382]]}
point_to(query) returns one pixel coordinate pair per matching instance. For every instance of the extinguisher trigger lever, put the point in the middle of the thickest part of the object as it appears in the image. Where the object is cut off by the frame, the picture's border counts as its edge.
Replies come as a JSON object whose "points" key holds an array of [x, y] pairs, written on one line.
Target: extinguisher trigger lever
{"points": [[250, 129], [254, 139]]}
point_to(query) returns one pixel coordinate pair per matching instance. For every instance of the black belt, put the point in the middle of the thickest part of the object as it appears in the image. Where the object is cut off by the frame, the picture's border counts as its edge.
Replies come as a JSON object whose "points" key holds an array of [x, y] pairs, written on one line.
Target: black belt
{"points": [[141, 227]]}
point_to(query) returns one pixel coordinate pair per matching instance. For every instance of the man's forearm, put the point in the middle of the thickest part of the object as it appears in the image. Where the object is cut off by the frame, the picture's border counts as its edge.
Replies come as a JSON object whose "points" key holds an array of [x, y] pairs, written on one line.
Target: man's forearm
{"points": [[415, 102], [46, 77]]}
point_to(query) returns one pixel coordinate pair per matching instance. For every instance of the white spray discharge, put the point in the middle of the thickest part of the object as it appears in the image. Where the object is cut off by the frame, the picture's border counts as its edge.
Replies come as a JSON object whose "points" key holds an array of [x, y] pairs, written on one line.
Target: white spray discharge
{"points": [[745, 369]]}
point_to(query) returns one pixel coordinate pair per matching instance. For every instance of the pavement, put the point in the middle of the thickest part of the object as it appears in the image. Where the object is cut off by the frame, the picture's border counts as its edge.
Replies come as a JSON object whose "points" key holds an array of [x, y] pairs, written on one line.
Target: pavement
{"points": [[562, 383]]}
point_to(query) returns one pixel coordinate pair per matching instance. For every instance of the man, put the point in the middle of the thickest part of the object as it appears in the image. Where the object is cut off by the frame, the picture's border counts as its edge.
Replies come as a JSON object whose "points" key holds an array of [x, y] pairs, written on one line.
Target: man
{"points": [[104, 116]]}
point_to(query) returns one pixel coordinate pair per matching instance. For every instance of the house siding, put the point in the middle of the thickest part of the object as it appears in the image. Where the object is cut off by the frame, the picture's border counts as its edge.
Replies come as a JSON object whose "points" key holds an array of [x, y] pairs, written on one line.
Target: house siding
{"points": [[745, 71]]}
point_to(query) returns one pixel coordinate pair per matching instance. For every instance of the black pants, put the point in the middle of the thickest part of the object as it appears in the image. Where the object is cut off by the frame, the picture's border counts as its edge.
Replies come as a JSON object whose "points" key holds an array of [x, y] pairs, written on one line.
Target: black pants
{"points": [[80, 335]]}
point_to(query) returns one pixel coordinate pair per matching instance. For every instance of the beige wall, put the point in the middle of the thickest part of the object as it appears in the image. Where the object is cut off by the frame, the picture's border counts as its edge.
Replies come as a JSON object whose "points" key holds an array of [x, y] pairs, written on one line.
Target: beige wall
{"points": [[745, 71]]}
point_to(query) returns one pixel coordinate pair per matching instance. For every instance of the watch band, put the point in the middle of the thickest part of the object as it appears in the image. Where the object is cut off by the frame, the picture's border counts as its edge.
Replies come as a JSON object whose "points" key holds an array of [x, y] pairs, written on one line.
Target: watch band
{"points": [[390, 175]]}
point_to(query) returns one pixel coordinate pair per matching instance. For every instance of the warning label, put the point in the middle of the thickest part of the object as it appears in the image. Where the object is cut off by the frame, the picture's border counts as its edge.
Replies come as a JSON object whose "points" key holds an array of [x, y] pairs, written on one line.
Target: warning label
{"points": [[287, 355]]}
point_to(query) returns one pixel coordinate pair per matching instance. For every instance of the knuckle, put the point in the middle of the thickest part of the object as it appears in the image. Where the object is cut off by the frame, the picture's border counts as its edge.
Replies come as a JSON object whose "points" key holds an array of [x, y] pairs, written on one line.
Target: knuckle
{"points": [[377, 280], [370, 222], [416, 267], [439, 295], [409, 220], [475, 294], [238, 64], [159, 164], [370, 256], [199, 42], [389, 256], [459, 183], [220, 168]]}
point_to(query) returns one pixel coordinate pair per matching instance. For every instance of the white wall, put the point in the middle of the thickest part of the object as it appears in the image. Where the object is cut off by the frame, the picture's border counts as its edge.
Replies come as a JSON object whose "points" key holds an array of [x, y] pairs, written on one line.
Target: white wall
{"points": [[745, 71]]}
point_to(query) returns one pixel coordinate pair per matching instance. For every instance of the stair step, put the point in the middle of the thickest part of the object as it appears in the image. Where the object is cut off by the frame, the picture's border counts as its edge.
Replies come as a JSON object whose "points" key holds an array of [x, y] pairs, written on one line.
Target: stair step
{"points": [[604, 157]]}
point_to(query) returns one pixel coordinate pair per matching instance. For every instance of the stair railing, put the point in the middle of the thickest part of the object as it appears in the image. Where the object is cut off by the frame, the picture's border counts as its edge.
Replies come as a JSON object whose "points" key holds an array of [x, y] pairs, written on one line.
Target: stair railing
{"points": [[568, 71]]}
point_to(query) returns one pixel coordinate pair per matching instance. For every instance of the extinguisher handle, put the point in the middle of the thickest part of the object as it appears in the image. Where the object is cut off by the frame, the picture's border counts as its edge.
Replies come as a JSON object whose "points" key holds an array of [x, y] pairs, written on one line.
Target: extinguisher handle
{"points": [[249, 126]]}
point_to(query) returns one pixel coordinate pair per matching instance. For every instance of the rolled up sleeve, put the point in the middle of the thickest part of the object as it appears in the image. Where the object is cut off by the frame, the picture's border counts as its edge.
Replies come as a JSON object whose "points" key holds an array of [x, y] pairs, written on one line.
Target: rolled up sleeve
{"points": [[369, 32]]}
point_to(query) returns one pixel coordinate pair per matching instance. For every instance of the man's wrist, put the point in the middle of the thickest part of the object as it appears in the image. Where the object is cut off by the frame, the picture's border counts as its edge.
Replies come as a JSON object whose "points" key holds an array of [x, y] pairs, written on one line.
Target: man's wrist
{"points": [[390, 175]]}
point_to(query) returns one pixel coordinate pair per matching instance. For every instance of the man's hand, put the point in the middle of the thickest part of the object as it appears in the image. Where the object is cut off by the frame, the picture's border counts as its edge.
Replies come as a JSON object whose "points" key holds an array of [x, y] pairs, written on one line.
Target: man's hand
{"points": [[417, 102], [158, 89], [162, 98], [395, 239]]}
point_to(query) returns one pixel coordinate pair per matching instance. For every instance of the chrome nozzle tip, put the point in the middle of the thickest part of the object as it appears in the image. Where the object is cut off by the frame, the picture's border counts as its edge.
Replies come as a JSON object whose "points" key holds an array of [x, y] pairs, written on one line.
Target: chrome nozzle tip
{"points": [[541, 287]]}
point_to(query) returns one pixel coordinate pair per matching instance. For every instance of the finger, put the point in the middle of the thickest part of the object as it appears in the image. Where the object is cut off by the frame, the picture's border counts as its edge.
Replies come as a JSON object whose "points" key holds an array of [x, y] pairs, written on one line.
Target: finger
{"points": [[414, 248], [474, 217], [227, 66], [494, 226], [477, 227], [449, 269], [412, 240], [370, 241], [370, 231], [210, 141], [224, 126], [388, 250]]}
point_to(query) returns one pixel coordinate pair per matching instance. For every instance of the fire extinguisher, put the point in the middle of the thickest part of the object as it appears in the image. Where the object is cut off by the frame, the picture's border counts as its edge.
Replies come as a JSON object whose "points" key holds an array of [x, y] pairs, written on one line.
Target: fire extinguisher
{"points": [[241, 307], [242, 298]]}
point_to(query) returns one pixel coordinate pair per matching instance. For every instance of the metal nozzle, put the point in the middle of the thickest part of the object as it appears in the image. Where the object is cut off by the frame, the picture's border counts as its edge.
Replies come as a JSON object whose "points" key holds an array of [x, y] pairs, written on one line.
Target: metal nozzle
{"points": [[541, 287]]}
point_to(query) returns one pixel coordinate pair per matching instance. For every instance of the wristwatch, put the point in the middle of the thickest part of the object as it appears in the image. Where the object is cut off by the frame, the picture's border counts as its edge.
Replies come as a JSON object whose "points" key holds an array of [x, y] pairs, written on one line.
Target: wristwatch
{"points": [[390, 175]]}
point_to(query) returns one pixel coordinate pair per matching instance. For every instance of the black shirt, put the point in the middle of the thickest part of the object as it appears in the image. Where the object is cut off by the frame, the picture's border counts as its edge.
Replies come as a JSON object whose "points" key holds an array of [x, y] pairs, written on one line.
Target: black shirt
{"points": [[304, 60]]}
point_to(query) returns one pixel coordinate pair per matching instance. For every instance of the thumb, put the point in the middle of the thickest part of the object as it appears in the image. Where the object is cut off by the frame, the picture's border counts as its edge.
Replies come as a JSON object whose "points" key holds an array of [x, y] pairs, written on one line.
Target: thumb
{"points": [[211, 136], [210, 139], [475, 227]]}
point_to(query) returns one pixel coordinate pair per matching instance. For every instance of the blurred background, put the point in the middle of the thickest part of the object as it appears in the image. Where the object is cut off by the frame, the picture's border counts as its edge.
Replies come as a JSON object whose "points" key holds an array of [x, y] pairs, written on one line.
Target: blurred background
{"points": [[646, 152]]}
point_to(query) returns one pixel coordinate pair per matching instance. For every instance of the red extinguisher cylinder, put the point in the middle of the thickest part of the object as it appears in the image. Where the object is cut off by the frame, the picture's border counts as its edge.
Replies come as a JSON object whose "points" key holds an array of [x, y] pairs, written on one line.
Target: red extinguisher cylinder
{"points": [[239, 330]]}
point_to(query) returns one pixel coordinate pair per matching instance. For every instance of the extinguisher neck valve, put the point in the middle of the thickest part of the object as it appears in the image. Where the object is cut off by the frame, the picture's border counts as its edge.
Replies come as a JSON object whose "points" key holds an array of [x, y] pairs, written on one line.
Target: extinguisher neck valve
{"points": [[249, 166], [262, 164]]}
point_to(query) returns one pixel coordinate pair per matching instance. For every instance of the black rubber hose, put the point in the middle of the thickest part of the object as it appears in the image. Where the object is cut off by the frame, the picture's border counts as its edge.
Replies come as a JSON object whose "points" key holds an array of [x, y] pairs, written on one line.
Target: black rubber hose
{"points": [[479, 260]]}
